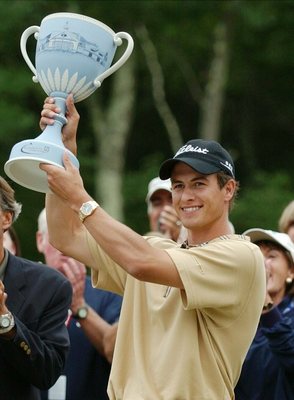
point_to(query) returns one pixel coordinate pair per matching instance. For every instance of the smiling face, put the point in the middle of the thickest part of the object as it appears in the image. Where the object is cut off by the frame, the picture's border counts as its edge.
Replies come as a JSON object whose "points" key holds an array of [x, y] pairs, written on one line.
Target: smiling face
{"points": [[278, 268], [201, 204]]}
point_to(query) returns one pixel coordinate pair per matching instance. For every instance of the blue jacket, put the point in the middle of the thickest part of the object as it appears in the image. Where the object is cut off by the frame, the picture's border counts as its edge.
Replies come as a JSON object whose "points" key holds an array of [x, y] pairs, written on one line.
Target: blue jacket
{"points": [[268, 370], [87, 371], [38, 297]]}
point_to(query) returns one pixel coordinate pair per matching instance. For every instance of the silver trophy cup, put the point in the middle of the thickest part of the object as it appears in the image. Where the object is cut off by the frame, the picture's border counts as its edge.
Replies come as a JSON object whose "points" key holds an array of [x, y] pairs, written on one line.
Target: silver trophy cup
{"points": [[74, 54]]}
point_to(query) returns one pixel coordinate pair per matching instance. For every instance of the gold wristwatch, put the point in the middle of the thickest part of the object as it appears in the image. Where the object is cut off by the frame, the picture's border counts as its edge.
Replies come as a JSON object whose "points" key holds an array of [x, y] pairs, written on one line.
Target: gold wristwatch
{"points": [[87, 209]]}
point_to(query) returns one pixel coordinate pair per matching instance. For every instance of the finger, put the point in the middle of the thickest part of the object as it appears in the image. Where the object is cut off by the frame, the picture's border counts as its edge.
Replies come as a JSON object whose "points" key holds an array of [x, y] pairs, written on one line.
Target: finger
{"points": [[78, 268], [170, 210], [46, 121], [49, 99], [171, 219], [51, 112], [67, 162], [70, 104], [68, 272]]}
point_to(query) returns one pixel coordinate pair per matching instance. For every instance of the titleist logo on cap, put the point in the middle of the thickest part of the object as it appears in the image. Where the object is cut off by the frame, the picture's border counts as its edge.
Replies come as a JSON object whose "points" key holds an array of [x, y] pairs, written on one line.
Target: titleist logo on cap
{"points": [[227, 165], [190, 148]]}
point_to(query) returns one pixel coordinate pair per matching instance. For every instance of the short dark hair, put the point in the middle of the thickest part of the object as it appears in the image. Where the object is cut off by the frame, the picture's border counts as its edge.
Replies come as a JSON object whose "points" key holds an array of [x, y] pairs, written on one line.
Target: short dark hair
{"points": [[7, 200], [222, 179]]}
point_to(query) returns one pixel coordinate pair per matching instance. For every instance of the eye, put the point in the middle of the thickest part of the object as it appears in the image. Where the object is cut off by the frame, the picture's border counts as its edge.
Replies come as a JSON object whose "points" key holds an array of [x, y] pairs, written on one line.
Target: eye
{"points": [[198, 184], [177, 186]]}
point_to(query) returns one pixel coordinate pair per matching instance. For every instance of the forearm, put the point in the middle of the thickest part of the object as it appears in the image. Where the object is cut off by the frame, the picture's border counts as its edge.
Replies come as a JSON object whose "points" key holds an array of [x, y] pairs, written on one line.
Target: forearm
{"points": [[124, 246], [63, 223], [97, 329], [131, 251]]}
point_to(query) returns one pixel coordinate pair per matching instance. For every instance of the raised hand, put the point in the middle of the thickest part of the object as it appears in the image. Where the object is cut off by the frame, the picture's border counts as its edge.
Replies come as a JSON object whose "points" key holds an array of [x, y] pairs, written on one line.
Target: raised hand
{"points": [[3, 297], [69, 130]]}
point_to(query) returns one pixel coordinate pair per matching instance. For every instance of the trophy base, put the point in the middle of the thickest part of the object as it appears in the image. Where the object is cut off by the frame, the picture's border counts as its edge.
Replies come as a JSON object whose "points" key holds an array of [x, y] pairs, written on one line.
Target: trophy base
{"points": [[25, 158]]}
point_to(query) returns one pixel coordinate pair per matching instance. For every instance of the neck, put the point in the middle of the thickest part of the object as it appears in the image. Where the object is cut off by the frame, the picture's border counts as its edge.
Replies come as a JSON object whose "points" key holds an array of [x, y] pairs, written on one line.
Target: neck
{"points": [[196, 237], [277, 297]]}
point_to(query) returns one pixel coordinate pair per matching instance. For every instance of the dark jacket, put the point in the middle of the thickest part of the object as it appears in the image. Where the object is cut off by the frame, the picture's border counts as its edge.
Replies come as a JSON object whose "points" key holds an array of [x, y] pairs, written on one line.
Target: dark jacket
{"points": [[86, 370], [39, 298], [268, 370]]}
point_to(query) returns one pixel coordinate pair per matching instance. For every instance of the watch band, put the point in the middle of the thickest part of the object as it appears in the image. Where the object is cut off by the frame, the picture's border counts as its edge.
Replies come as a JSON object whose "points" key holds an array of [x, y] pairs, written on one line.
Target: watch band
{"points": [[81, 313]]}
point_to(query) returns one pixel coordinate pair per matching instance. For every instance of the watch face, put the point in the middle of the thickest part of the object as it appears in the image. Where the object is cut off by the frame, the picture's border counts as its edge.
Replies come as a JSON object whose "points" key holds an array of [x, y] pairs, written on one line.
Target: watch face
{"points": [[5, 322], [87, 208], [82, 313]]}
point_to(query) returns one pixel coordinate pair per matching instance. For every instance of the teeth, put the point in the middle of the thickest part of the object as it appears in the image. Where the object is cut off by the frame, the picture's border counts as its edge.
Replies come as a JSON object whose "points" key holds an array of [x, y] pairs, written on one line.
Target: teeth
{"points": [[191, 209]]}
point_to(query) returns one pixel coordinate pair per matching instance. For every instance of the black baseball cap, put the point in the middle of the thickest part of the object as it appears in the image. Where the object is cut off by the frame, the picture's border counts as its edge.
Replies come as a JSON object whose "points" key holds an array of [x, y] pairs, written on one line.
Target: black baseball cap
{"points": [[204, 156]]}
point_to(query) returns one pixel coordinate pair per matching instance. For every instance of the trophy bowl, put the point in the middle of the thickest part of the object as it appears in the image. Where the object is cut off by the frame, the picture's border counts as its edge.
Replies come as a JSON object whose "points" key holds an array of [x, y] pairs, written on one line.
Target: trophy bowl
{"points": [[74, 54]]}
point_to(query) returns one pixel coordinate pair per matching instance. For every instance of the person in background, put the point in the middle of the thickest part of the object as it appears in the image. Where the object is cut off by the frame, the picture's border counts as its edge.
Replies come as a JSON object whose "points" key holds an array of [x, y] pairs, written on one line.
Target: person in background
{"points": [[190, 311], [286, 221], [268, 370], [92, 326], [11, 241], [34, 301], [163, 219]]}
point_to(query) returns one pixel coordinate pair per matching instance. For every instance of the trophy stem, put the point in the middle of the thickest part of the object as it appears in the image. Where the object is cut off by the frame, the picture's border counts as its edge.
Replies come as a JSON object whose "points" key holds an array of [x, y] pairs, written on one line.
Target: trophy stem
{"points": [[52, 133]]}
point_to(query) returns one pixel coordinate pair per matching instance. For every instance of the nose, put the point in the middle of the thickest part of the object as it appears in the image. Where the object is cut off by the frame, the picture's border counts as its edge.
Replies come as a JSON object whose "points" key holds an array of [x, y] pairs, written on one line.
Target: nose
{"points": [[267, 263], [188, 193]]}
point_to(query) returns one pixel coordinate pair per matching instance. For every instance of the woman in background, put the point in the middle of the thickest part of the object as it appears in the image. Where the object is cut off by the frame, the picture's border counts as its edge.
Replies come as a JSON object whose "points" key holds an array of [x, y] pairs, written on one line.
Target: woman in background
{"points": [[268, 370]]}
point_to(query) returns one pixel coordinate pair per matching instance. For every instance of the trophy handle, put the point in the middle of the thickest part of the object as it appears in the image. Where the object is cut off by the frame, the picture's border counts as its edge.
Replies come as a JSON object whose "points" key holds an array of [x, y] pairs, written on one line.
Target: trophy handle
{"points": [[23, 42], [118, 41]]}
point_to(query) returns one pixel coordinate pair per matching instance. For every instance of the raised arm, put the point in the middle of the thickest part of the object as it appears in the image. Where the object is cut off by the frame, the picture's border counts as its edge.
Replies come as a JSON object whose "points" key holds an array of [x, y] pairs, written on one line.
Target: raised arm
{"points": [[65, 230], [132, 252]]}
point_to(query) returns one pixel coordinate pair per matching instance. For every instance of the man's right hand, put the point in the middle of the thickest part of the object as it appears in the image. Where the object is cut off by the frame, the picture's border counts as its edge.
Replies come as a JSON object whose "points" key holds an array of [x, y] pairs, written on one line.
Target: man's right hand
{"points": [[69, 130], [3, 297]]}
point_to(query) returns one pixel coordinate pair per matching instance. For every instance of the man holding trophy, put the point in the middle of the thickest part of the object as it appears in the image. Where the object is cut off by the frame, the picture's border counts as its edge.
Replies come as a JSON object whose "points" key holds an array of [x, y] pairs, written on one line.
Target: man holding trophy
{"points": [[189, 311]]}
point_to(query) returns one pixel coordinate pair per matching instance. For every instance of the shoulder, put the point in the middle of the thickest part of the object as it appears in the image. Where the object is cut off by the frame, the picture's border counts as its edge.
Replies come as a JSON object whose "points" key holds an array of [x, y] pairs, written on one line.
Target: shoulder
{"points": [[234, 252], [232, 246], [36, 271], [161, 242]]}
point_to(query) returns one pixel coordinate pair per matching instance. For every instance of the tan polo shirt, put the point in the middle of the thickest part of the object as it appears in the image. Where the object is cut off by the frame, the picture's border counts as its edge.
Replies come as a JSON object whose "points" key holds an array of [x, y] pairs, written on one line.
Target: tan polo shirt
{"points": [[189, 344]]}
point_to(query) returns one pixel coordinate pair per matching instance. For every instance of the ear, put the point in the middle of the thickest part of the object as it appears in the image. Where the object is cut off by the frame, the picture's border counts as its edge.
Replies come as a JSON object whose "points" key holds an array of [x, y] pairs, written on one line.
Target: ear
{"points": [[230, 188], [7, 218]]}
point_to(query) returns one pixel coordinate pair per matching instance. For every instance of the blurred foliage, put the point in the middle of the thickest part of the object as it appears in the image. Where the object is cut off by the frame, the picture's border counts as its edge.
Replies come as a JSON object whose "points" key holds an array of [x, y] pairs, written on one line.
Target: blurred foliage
{"points": [[257, 123], [260, 203]]}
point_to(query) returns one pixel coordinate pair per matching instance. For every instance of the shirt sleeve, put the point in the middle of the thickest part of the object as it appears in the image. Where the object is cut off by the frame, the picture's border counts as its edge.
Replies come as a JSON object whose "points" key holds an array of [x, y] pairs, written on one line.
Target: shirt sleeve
{"points": [[105, 273]]}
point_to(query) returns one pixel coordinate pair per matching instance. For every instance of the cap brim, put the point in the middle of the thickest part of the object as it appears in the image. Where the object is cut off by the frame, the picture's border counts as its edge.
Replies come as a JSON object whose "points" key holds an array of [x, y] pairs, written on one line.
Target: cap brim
{"points": [[156, 189], [198, 165], [257, 234]]}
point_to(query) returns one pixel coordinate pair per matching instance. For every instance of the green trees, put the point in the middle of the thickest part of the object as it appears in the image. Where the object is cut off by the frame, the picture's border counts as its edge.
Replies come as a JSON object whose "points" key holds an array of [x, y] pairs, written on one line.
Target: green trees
{"points": [[224, 70]]}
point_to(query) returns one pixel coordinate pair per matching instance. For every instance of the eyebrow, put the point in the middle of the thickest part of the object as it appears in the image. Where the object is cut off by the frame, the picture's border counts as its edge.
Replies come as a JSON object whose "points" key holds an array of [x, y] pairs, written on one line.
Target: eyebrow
{"points": [[202, 176]]}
